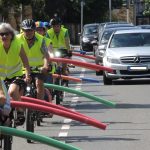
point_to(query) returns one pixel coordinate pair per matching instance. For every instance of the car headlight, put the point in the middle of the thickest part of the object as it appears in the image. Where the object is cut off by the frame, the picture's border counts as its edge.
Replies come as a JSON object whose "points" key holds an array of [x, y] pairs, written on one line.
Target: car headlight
{"points": [[101, 53], [85, 39], [113, 60]]}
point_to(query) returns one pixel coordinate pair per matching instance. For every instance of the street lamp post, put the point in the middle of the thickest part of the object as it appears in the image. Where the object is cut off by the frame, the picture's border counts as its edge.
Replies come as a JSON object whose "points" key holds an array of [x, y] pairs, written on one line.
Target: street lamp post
{"points": [[109, 10], [128, 6], [82, 3]]}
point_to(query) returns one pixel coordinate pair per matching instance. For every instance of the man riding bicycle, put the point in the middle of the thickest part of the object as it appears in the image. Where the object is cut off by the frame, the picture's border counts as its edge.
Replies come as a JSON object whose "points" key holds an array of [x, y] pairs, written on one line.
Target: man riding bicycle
{"points": [[37, 53], [60, 39]]}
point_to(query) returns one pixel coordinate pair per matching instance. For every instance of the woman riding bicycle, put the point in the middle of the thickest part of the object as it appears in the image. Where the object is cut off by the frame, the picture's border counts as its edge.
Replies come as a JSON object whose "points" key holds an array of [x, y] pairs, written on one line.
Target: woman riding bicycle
{"points": [[12, 59]]}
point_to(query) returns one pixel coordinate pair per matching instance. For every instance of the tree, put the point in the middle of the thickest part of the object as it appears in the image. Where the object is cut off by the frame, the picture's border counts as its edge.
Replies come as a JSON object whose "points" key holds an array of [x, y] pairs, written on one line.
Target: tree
{"points": [[146, 12]]}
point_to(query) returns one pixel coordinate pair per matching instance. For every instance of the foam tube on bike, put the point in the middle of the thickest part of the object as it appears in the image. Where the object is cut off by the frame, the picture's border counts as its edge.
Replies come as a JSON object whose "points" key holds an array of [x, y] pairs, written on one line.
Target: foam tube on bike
{"points": [[66, 77], [81, 64], [85, 56], [63, 113], [84, 94], [90, 80], [80, 51], [37, 137], [41, 102]]}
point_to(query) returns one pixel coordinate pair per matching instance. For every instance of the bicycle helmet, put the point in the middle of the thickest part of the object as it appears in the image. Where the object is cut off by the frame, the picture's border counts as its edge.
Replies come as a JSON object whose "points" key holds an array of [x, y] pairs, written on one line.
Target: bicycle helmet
{"points": [[39, 24], [55, 21], [28, 24], [46, 24]]}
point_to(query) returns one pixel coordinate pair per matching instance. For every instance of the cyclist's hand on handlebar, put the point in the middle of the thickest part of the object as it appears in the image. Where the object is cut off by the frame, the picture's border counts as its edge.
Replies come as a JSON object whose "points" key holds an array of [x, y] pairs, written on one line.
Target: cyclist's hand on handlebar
{"points": [[28, 78]]}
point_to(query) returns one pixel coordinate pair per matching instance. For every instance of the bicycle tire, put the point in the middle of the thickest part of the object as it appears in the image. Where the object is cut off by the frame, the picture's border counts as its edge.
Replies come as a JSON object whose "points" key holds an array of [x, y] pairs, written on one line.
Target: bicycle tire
{"points": [[29, 122], [7, 142]]}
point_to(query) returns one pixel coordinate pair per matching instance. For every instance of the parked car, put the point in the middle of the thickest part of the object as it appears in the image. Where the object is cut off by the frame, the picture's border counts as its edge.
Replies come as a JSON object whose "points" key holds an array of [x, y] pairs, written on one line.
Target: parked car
{"points": [[128, 54], [103, 40], [89, 36], [144, 26]]}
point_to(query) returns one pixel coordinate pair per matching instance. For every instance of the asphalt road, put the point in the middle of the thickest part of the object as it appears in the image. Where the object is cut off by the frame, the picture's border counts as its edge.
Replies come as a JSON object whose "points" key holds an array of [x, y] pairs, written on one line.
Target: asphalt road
{"points": [[128, 124]]}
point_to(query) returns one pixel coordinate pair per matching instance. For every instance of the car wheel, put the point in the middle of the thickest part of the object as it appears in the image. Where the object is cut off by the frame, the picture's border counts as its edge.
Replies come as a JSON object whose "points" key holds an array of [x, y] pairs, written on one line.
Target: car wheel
{"points": [[106, 81]]}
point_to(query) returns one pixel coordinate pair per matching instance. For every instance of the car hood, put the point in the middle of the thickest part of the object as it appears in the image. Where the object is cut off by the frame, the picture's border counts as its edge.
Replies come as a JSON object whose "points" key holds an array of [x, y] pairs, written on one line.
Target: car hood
{"points": [[128, 51]]}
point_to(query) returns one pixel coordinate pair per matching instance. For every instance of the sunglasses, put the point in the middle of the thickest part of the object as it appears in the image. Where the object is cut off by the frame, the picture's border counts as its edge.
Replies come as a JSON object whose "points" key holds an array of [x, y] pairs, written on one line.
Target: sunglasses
{"points": [[28, 30], [56, 26], [4, 33]]}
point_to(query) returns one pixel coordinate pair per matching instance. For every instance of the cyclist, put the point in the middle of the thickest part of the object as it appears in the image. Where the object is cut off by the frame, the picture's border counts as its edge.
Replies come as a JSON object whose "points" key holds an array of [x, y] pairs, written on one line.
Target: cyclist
{"points": [[41, 29], [37, 53], [12, 59], [60, 38]]}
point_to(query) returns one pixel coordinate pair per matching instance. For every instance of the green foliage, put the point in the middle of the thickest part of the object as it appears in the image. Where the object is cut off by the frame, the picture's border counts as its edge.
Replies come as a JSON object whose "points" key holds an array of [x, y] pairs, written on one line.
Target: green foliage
{"points": [[68, 10], [146, 12]]}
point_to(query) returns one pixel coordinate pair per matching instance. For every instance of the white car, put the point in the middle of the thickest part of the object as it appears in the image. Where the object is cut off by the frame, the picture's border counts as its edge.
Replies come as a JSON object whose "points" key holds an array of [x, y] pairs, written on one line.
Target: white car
{"points": [[128, 54]]}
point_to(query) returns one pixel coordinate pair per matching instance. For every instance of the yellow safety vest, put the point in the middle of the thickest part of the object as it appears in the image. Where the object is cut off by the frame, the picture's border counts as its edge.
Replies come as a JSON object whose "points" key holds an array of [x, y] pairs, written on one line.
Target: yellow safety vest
{"points": [[10, 63], [34, 54], [58, 41]]}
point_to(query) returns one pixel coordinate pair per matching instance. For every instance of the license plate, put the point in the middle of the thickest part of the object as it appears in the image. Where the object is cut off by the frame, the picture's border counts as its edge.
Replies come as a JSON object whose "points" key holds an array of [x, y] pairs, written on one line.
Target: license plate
{"points": [[138, 68]]}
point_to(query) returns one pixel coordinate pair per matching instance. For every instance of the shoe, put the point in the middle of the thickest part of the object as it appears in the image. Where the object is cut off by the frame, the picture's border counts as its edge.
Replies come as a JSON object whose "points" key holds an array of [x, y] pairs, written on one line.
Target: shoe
{"points": [[20, 119]]}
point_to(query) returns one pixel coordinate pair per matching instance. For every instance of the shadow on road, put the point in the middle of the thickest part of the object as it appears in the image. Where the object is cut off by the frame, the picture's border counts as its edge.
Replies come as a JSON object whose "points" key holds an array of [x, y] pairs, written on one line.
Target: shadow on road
{"points": [[71, 139]]}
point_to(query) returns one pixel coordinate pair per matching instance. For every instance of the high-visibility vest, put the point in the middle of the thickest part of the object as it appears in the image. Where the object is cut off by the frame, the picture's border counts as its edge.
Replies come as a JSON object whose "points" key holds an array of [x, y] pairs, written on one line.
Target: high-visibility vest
{"points": [[47, 41], [58, 41], [34, 54], [10, 63]]}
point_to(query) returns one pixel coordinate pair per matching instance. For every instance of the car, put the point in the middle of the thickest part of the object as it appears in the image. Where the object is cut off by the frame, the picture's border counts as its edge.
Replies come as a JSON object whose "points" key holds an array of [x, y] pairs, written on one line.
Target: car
{"points": [[144, 26], [128, 54], [118, 25], [89, 37], [103, 40]]}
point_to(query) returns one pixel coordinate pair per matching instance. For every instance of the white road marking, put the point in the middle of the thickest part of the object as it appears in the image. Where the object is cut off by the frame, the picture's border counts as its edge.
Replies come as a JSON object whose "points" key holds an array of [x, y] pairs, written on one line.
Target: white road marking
{"points": [[63, 134], [74, 100], [65, 127]]}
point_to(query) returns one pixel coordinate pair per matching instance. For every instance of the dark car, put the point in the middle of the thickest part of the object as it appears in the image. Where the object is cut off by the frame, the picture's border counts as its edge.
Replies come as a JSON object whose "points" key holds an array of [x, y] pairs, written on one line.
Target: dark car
{"points": [[89, 36]]}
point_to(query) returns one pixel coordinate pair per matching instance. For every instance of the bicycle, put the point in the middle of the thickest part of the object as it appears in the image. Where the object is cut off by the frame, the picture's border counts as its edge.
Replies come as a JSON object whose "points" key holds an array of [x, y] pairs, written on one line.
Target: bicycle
{"points": [[33, 117], [61, 53]]}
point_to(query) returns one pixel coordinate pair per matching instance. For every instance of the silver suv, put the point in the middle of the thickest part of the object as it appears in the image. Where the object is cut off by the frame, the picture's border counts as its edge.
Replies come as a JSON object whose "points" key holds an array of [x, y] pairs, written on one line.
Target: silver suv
{"points": [[128, 54]]}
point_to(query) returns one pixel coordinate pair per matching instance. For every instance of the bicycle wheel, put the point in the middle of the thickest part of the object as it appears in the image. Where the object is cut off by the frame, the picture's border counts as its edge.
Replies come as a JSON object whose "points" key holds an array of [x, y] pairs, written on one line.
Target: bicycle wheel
{"points": [[29, 122], [7, 142]]}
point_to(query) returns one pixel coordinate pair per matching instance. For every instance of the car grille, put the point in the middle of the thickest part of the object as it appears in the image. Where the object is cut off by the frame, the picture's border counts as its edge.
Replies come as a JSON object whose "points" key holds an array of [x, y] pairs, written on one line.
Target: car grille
{"points": [[126, 72], [135, 59]]}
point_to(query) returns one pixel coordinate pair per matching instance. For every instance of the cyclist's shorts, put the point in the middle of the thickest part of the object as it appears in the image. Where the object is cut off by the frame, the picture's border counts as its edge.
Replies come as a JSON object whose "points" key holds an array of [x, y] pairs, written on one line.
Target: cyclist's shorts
{"points": [[16, 80]]}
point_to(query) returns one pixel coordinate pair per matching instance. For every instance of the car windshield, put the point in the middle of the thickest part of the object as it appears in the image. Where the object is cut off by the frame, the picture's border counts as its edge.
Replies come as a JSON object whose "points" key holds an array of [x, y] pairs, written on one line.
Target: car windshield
{"points": [[130, 40], [105, 37], [90, 30]]}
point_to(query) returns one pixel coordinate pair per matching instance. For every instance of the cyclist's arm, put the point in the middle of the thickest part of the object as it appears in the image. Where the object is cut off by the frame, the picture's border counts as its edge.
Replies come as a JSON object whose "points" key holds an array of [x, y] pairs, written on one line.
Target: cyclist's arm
{"points": [[25, 61], [67, 40], [50, 49], [2, 95], [44, 50]]}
